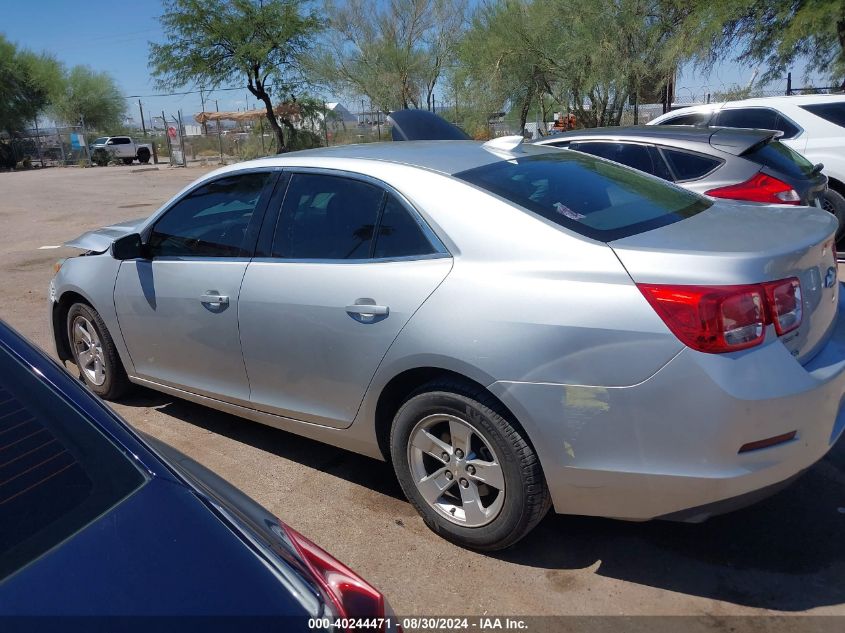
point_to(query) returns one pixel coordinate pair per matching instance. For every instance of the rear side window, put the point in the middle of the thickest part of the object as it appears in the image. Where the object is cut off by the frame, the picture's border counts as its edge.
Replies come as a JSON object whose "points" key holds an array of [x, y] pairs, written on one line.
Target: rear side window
{"points": [[832, 112], [399, 234], [587, 195], [327, 217], [781, 158], [762, 118], [688, 166], [634, 155], [57, 471], [692, 118]]}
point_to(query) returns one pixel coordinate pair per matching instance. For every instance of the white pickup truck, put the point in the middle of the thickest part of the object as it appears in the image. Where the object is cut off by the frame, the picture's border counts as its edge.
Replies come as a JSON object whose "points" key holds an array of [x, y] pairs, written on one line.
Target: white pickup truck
{"points": [[123, 148]]}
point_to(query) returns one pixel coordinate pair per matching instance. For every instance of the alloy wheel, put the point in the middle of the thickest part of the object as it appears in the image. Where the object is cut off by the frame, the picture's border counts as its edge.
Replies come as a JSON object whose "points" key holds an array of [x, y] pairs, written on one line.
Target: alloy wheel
{"points": [[88, 350], [456, 470]]}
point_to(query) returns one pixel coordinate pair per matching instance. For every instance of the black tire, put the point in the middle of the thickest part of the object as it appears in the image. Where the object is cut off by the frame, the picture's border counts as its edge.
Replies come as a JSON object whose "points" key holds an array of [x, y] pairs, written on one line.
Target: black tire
{"points": [[144, 155], [526, 495], [833, 202], [128, 161], [115, 382]]}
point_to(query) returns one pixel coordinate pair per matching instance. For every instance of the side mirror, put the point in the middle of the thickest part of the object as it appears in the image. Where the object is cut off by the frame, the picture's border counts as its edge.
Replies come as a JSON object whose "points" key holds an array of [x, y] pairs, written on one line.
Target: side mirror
{"points": [[128, 247]]}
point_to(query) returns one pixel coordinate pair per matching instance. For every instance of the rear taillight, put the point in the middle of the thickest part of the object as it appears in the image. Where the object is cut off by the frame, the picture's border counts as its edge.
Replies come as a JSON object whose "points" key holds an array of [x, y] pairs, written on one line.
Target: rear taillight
{"points": [[785, 305], [351, 595], [719, 319], [759, 188]]}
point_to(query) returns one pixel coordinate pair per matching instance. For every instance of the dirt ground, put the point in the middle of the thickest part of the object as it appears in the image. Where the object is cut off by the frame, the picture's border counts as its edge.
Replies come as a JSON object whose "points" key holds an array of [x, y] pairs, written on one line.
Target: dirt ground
{"points": [[786, 554]]}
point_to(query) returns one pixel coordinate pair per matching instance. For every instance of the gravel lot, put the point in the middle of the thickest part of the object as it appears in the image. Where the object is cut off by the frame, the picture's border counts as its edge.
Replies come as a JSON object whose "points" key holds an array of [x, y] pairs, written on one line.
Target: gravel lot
{"points": [[786, 554]]}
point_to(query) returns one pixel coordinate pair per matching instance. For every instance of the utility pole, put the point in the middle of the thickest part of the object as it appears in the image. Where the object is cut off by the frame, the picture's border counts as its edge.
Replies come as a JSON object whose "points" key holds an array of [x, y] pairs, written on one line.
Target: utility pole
{"points": [[217, 125], [38, 140], [788, 84], [167, 137], [143, 125], [326, 123], [202, 101]]}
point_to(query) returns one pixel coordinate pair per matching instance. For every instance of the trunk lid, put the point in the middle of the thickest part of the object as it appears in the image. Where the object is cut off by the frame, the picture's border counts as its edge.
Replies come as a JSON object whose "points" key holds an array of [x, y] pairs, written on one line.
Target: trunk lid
{"points": [[99, 240], [731, 244]]}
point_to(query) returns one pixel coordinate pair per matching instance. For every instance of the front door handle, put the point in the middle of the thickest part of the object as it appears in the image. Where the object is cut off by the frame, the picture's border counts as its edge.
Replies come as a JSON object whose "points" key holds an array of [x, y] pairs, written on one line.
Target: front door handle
{"points": [[215, 299], [368, 310]]}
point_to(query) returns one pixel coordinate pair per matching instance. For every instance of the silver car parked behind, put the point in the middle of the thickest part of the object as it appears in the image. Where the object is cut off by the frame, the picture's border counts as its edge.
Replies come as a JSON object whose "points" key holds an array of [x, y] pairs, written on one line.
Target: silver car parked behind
{"points": [[514, 327]]}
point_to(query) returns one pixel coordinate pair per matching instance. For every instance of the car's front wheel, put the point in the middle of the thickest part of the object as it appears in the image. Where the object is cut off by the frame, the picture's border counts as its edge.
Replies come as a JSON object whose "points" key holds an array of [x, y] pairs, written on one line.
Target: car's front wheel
{"points": [[94, 352], [466, 467]]}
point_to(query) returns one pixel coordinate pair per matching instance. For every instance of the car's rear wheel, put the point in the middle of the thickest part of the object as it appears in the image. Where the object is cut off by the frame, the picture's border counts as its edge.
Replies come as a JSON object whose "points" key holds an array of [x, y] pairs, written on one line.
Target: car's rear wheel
{"points": [[94, 352], [144, 155], [833, 202], [466, 467]]}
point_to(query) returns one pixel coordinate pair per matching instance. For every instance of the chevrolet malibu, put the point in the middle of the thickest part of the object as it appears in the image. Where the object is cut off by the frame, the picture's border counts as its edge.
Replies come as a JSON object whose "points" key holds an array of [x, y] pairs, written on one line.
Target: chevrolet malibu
{"points": [[515, 328]]}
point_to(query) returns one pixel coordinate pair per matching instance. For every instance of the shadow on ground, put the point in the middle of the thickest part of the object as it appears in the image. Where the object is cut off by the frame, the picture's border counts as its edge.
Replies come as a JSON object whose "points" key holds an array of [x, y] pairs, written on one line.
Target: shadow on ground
{"points": [[786, 553]]}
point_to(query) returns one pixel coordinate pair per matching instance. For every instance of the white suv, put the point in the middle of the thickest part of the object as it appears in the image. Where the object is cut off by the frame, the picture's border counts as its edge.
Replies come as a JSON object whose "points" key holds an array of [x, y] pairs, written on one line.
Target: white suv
{"points": [[813, 125]]}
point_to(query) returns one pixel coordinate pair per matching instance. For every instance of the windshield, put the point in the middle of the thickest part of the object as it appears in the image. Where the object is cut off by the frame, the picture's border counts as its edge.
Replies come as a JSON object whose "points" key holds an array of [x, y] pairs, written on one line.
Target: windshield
{"points": [[101, 141], [781, 158], [594, 197], [57, 471]]}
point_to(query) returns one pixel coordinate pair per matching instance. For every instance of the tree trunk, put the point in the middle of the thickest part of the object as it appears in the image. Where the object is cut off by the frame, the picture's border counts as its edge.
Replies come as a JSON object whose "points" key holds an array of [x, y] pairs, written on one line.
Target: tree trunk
{"points": [[523, 114], [260, 93], [840, 34]]}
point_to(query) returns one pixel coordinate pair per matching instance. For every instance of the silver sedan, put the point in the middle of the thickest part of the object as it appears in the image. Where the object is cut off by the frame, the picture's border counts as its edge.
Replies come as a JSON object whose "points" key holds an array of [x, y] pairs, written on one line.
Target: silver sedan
{"points": [[514, 327]]}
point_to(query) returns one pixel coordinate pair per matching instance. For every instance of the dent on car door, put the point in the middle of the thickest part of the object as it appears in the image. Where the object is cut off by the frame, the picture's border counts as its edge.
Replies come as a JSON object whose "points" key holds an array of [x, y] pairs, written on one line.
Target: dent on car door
{"points": [[349, 265], [178, 309]]}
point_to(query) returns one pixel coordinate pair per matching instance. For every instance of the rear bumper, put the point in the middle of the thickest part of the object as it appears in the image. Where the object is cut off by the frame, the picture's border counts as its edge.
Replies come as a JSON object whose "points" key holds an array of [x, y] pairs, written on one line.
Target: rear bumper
{"points": [[668, 447]]}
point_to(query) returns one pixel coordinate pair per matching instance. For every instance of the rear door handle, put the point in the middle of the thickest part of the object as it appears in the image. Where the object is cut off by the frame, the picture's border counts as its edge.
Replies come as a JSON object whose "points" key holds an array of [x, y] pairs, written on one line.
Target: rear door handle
{"points": [[364, 309], [215, 299]]}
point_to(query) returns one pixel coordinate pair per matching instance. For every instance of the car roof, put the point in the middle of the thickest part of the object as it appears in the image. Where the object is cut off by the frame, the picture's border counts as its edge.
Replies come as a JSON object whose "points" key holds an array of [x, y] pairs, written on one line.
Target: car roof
{"points": [[760, 101], [447, 157], [731, 140]]}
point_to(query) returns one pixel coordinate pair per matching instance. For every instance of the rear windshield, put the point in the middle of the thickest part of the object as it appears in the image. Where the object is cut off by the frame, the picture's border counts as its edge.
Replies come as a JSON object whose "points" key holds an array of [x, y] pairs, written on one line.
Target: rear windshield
{"points": [[57, 471], [832, 112], [782, 158], [593, 197]]}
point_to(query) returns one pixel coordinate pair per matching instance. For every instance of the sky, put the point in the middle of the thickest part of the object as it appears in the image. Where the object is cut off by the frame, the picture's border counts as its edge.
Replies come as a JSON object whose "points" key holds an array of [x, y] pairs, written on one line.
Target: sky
{"points": [[113, 36]]}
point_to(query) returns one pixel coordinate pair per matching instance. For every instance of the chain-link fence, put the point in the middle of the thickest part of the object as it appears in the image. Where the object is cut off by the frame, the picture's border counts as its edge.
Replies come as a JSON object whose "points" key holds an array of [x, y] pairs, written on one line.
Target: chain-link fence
{"points": [[47, 147]]}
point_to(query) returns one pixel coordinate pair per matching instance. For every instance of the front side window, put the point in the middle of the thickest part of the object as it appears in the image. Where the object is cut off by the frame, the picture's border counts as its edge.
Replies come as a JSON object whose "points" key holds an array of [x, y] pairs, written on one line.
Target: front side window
{"points": [[631, 154], [587, 195], [211, 221], [58, 473], [689, 166]]}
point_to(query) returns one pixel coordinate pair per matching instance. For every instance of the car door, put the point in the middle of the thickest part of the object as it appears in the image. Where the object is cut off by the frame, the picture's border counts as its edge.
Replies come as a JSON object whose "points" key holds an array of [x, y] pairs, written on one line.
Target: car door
{"points": [[178, 309], [350, 263]]}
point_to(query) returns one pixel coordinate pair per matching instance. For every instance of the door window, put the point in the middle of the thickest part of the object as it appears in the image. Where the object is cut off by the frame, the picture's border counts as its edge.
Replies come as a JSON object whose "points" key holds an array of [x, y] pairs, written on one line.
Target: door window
{"points": [[690, 118], [631, 154], [211, 221], [762, 118], [327, 217]]}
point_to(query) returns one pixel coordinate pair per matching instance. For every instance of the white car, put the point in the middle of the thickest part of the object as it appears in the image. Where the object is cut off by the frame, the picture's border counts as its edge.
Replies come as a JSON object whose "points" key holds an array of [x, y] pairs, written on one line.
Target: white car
{"points": [[813, 125]]}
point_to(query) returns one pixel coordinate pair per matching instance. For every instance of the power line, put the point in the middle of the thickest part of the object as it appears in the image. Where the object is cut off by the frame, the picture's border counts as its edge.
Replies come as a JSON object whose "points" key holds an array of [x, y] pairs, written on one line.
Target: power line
{"points": [[188, 92]]}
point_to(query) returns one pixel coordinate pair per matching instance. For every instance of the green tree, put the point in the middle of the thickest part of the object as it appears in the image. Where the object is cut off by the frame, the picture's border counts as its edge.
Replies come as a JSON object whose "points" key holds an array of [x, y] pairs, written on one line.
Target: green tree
{"points": [[211, 43], [774, 33], [394, 53], [27, 81], [88, 97]]}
